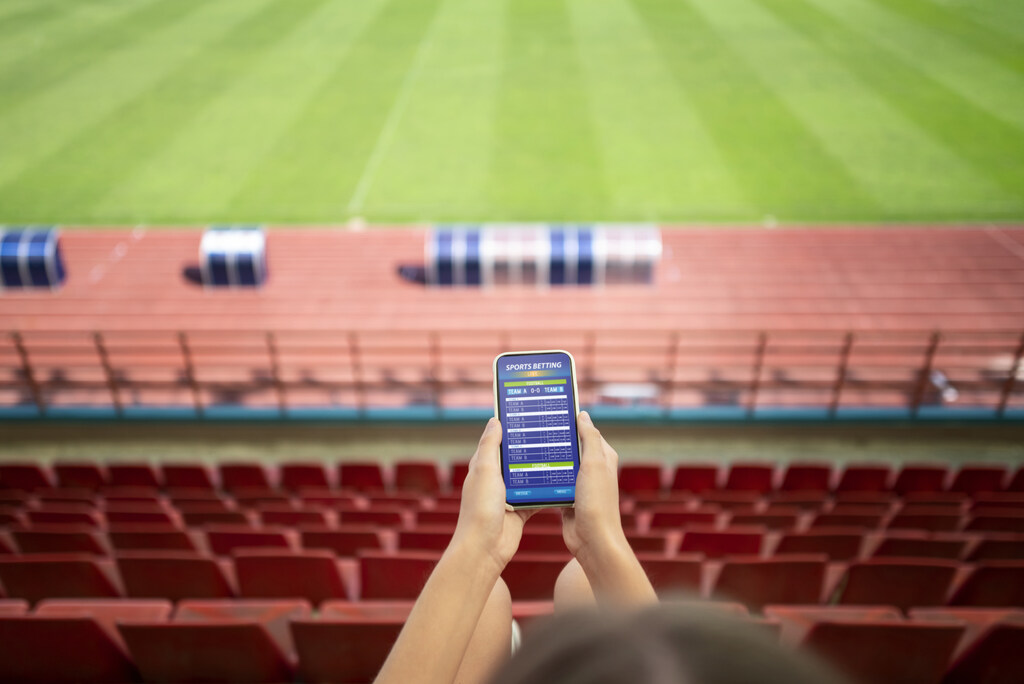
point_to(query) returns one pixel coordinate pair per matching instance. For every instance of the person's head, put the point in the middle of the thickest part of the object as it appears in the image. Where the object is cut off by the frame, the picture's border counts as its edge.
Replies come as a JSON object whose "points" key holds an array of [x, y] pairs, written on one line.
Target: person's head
{"points": [[662, 644]]}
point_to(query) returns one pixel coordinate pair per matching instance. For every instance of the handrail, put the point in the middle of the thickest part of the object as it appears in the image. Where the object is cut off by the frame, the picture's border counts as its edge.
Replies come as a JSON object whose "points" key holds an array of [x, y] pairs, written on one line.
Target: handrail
{"points": [[365, 369]]}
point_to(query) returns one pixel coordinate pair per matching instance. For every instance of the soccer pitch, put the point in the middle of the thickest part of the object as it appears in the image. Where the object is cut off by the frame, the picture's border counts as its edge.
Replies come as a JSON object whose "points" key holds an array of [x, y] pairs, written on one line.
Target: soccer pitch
{"points": [[317, 111]]}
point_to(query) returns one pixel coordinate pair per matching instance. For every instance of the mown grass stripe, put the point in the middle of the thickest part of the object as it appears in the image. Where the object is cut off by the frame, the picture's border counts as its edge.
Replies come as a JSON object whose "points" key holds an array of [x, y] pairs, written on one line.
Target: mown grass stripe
{"points": [[319, 159], [1002, 46], [780, 166], [233, 133], [547, 163], [992, 146], [110, 149], [644, 123], [28, 17], [436, 168], [38, 70], [908, 173]]}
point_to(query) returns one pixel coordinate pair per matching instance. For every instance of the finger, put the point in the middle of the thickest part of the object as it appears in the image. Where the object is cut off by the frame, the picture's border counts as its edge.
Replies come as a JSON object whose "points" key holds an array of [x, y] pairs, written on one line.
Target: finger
{"points": [[590, 438], [610, 455], [487, 449]]}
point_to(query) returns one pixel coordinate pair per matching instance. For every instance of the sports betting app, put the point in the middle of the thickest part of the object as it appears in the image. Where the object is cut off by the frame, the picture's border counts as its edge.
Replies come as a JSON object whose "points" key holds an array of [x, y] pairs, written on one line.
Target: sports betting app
{"points": [[539, 447]]}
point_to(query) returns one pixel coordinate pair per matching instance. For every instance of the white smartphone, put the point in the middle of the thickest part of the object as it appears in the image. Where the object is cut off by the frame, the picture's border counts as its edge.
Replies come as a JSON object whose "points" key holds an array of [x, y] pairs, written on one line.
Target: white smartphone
{"points": [[536, 400]]}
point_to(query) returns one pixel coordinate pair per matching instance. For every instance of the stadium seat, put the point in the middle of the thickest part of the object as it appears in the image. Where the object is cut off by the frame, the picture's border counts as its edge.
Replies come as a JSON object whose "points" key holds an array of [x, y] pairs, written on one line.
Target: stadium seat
{"points": [[249, 498], [88, 476], [921, 478], [139, 515], [328, 498], [38, 577], [681, 572], [990, 648], [807, 477], [201, 516], [531, 576], [228, 650], [191, 475], [864, 478], [864, 521], [903, 546], [543, 540], [640, 477], [361, 476], [389, 517], [274, 615], [936, 521], [311, 575], [298, 476], [343, 541], [997, 547], [235, 476], [681, 517], [344, 649], [780, 519], [718, 543], [139, 495], [750, 477], [429, 538], [458, 476], [173, 575], [648, 542], [838, 544], [76, 495], [25, 477], [731, 499], [63, 514], [756, 582], [133, 475], [695, 478], [1017, 483], [293, 518], [150, 538], [437, 517], [59, 539], [224, 539], [1009, 520], [13, 607], [107, 612], [904, 583], [974, 479], [11, 516], [992, 584], [394, 575], [417, 476]]}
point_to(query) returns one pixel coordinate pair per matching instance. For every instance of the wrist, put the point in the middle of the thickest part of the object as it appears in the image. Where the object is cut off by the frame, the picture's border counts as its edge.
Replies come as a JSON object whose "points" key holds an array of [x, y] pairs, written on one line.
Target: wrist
{"points": [[610, 551], [478, 559]]}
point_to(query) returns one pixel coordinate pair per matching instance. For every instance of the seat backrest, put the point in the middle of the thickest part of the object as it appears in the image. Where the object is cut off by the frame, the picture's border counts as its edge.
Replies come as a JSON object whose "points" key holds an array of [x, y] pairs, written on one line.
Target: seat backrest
{"points": [[223, 540], [25, 477], [695, 478], [399, 575], [839, 544], [219, 651], [864, 478], [997, 547], [37, 577], [296, 476], [417, 476], [273, 614], [921, 478], [61, 649], [310, 575], [760, 581], [750, 477], [335, 649], [172, 575], [995, 656], [139, 537], [191, 475], [428, 538], [458, 475], [640, 477], [13, 607], [972, 479], [59, 539], [343, 541], [235, 476], [903, 583], [992, 583], [898, 546], [85, 475], [133, 475], [807, 477], [360, 476], [718, 543], [680, 573], [291, 518], [531, 576], [107, 612]]}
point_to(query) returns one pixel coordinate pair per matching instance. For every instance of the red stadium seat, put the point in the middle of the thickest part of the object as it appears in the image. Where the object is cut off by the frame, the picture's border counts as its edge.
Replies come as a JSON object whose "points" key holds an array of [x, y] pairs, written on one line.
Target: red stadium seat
{"points": [[150, 538], [127, 495], [681, 517], [311, 575], [133, 475], [778, 520], [200, 500], [543, 540], [904, 583], [750, 477], [198, 516], [252, 498], [107, 612], [1009, 520], [344, 649], [140, 515], [61, 649], [64, 514], [173, 575], [11, 515], [228, 650], [998, 547], [25, 477], [990, 648], [70, 495], [38, 577], [361, 476], [731, 499], [640, 477], [13, 607], [807, 477], [903, 546], [59, 539], [191, 475], [757, 582], [864, 478], [921, 478], [328, 498], [459, 472], [225, 539], [344, 541], [936, 521], [992, 584], [297, 476], [672, 574], [390, 517], [647, 542], [866, 521], [974, 479], [437, 517], [838, 544], [1017, 483], [293, 518], [274, 615], [531, 576], [88, 476], [234, 476], [397, 575], [435, 538], [695, 478], [417, 476], [717, 543], [358, 609]]}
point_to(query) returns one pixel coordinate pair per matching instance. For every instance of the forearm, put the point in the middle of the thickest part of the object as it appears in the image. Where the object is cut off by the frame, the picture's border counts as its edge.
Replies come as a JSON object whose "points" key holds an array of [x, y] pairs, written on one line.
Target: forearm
{"points": [[432, 643], [616, 575]]}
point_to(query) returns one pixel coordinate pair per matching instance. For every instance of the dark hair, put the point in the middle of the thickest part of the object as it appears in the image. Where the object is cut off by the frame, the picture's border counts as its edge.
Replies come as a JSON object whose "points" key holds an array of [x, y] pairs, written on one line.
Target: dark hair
{"points": [[663, 644]]}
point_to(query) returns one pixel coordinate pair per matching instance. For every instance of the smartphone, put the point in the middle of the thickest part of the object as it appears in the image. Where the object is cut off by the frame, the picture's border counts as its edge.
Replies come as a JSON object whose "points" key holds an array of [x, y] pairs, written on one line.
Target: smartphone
{"points": [[536, 400]]}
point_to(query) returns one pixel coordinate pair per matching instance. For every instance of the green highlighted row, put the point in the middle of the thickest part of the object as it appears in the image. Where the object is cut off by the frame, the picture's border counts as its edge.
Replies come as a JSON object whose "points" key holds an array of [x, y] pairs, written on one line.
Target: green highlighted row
{"points": [[552, 464], [524, 383]]}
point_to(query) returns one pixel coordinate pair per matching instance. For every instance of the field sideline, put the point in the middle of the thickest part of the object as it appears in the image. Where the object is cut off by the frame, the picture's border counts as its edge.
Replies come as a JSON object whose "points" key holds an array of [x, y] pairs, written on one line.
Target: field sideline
{"points": [[315, 111]]}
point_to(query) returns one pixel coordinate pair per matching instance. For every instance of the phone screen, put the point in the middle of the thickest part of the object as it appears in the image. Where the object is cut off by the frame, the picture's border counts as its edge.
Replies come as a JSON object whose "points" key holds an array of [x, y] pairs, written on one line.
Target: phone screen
{"points": [[537, 407]]}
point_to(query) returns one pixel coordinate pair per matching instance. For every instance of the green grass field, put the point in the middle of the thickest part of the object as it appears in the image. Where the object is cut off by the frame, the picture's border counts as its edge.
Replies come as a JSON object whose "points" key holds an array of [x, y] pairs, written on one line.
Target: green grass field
{"points": [[309, 111]]}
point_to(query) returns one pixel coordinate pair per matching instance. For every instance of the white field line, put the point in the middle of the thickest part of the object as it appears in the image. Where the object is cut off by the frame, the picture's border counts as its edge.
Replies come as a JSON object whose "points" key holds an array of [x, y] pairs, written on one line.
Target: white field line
{"points": [[387, 133]]}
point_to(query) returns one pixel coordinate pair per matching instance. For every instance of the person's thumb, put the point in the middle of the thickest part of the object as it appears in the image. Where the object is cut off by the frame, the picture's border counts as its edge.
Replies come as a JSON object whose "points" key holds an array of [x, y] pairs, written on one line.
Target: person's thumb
{"points": [[590, 437]]}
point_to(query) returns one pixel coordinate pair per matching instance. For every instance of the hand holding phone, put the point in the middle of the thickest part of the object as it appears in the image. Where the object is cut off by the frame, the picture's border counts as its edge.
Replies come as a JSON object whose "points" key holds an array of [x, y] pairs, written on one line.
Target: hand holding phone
{"points": [[535, 398]]}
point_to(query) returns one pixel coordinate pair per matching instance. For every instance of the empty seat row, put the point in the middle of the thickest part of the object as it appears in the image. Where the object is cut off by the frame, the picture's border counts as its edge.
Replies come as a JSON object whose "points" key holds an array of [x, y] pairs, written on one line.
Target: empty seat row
{"points": [[317, 576]]}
